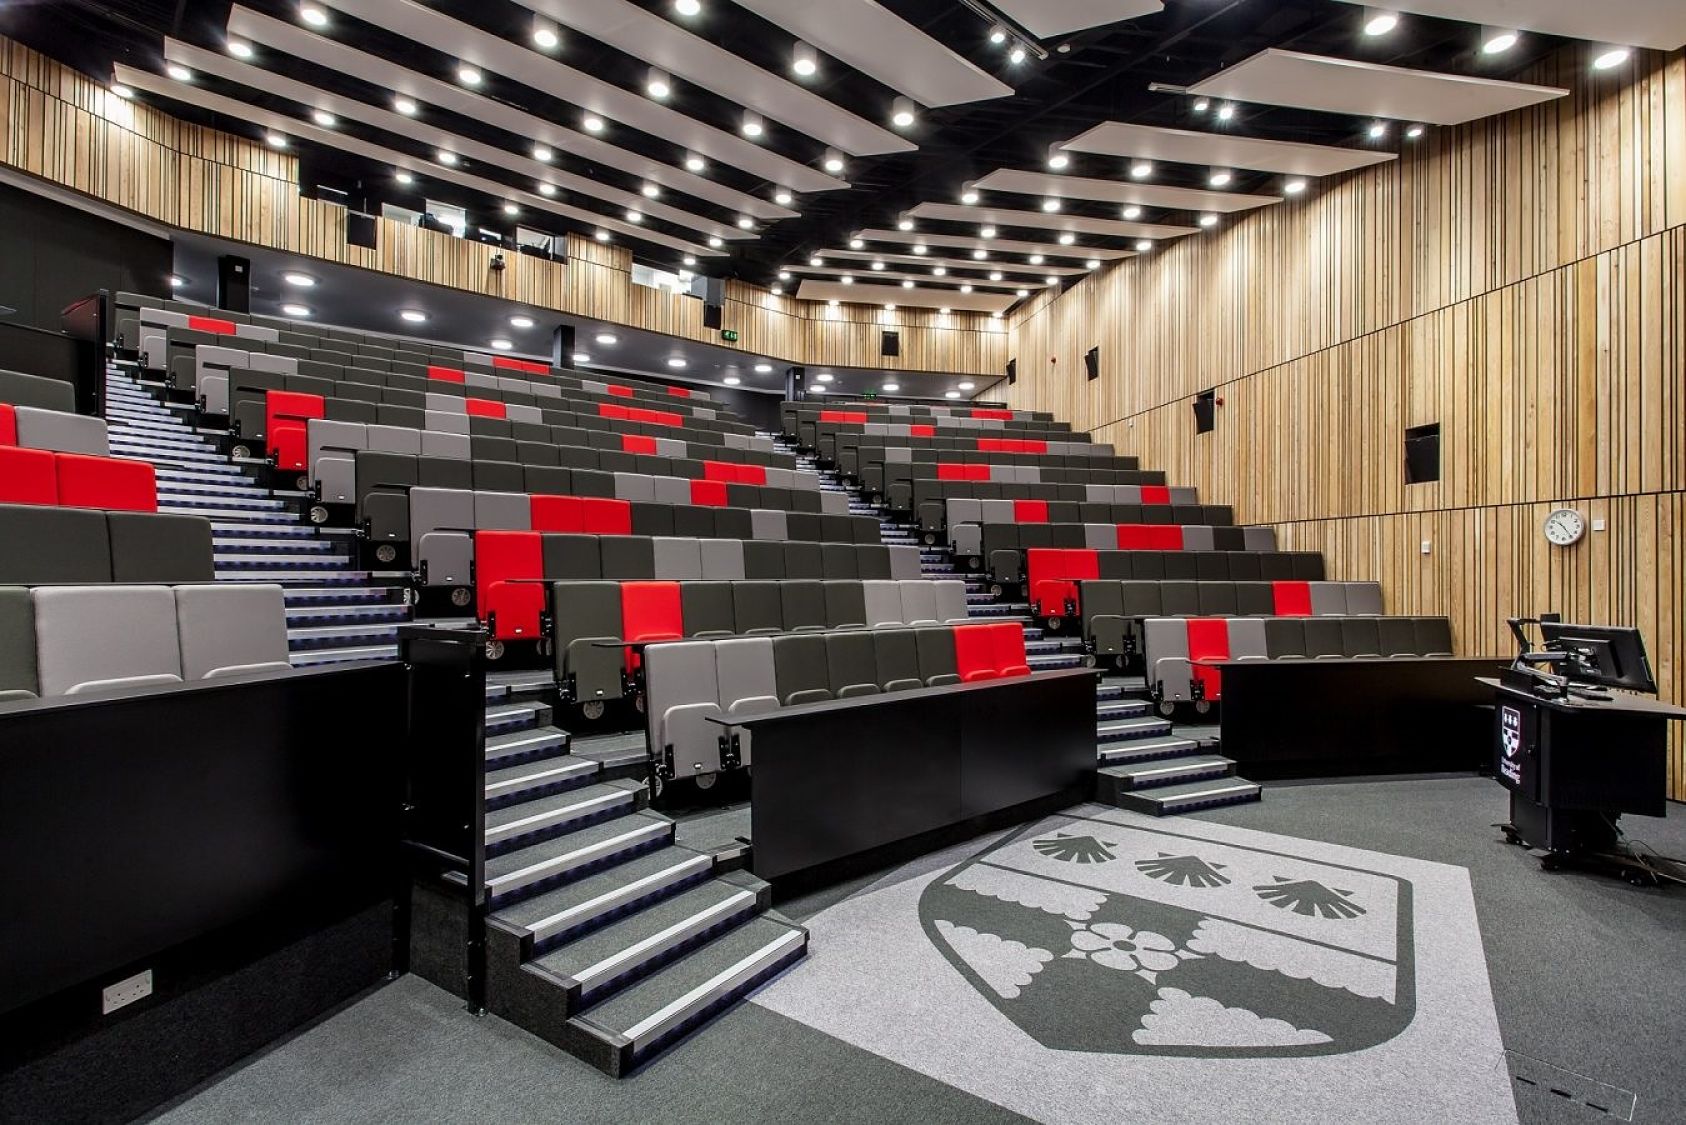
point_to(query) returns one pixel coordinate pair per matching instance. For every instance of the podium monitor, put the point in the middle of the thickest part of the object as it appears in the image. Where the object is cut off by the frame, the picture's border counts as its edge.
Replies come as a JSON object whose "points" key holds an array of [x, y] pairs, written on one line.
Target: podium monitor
{"points": [[1606, 655]]}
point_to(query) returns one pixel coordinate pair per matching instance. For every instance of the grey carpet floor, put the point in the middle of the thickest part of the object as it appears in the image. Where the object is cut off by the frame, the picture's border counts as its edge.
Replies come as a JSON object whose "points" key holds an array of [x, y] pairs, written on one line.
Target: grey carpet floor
{"points": [[1586, 974]]}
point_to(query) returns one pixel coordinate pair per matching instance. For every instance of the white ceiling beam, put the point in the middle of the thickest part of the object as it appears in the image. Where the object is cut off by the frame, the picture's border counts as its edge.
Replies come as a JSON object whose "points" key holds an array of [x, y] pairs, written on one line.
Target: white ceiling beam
{"points": [[1123, 192], [1046, 19], [1050, 249], [1222, 150], [1657, 24], [995, 261], [871, 277], [895, 295], [1044, 220]]}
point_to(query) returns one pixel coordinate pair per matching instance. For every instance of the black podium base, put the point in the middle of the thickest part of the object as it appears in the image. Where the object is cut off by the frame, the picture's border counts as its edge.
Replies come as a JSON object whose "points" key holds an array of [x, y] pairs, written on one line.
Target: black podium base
{"points": [[1562, 830]]}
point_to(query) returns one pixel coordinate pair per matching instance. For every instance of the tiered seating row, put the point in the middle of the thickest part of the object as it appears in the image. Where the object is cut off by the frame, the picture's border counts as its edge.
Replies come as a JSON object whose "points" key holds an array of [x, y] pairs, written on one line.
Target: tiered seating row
{"points": [[1054, 577], [692, 685], [76, 480], [57, 430], [591, 623], [1113, 612], [41, 546], [78, 640]]}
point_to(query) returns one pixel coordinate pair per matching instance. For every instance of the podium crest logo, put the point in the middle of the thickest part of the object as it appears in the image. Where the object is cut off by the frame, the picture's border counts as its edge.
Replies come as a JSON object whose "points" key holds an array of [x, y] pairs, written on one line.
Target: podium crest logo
{"points": [[1105, 937], [1510, 730]]}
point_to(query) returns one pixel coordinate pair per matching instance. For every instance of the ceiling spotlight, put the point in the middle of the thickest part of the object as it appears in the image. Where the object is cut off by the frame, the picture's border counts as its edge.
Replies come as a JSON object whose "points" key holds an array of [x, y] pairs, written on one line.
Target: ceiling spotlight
{"points": [[834, 303], [607, 339], [966, 288], [592, 123], [1050, 205], [816, 261], [649, 190], [658, 85], [694, 163], [745, 223], [600, 234], [921, 249], [890, 308], [856, 244], [878, 265], [634, 216], [1497, 40], [998, 34], [825, 376], [980, 254], [1020, 293], [995, 275], [406, 106], [468, 75], [783, 198], [313, 14], [1208, 221], [951, 394], [892, 388], [784, 275], [1050, 281], [1037, 259], [179, 73], [1414, 132], [847, 279], [763, 369], [753, 125], [804, 60], [996, 315], [412, 316], [778, 290], [1294, 187], [987, 232], [688, 260], [122, 91], [1226, 112], [501, 344], [520, 322], [240, 49], [582, 357], [449, 159], [547, 190], [1067, 239], [177, 282], [1609, 60], [1379, 21], [904, 224], [546, 35], [1378, 130], [943, 311], [907, 284], [1143, 245], [1016, 55], [969, 197], [731, 380], [1132, 213], [323, 118], [404, 177], [1092, 264], [1141, 169], [276, 140], [1201, 105], [296, 310], [299, 280], [687, 7], [833, 162], [677, 363], [511, 209], [903, 113], [544, 154], [1058, 161], [1220, 178], [965, 386], [939, 271]]}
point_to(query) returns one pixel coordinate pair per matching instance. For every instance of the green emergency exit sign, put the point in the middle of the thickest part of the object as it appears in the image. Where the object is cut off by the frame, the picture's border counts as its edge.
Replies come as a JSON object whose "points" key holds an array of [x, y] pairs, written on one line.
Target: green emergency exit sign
{"points": [[730, 335]]}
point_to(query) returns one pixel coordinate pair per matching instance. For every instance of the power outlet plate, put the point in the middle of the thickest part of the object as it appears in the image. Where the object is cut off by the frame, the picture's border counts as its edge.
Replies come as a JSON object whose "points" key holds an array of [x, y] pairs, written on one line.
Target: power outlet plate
{"points": [[126, 992]]}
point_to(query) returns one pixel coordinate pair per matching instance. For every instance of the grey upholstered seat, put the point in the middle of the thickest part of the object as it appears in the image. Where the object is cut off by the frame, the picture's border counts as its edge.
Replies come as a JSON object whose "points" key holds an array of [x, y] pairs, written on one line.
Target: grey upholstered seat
{"points": [[227, 629]]}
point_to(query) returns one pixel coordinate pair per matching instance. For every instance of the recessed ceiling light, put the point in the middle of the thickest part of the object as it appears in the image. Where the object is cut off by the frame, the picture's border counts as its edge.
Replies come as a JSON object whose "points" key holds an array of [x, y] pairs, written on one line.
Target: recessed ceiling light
{"points": [[1379, 21], [1143, 245], [1497, 40], [1050, 281], [903, 113], [633, 216], [412, 316], [998, 34], [965, 386], [904, 224], [313, 14], [1017, 55], [1037, 259], [688, 260], [687, 7], [296, 310], [763, 369], [177, 282], [847, 279], [502, 345], [1141, 169], [600, 235], [447, 158], [907, 283], [179, 73], [658, 85], [520, 322], [607, 339], [825, 376], [816, 261], [833, 162], [1059, 161], [966, 288], [1208, 221], [404, 177], [547, 190], [715, 242], [804, 60], [276, 140], [753, 125], [1022, 293], [834, 303], [995, 275], [1092, 264], [878, 265], [298, 280], [921, 249], [980, 254], [469, 75], [731, 380], [745, 223], [1611, 58], [240, 49], [783, 198], [677, 363], [939, 271], [1378, 130], [122, 91], [1068, 239], [544, 154], [892, 388], [1226, 112], [987, 232], [546, 35], [511, 209], [856, 244], [582, 357], [1220, 178], [969, 198], [784, 275], [406, 106], [1132, 213], [778, 290], [951, 394], [1294, 187], [1201, 105], [592, 123], [996, 315], [1414, 132], [1050, 205], [694, 163]]}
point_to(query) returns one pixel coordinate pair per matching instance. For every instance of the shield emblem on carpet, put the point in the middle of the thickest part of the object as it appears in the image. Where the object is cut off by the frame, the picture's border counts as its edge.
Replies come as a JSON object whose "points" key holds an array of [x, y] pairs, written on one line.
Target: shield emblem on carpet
{"points": [[1127, 938]]}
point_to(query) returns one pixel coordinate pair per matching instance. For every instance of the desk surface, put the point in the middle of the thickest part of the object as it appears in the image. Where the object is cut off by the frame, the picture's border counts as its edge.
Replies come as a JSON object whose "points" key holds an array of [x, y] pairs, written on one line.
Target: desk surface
{"points": [[1620, 703]]}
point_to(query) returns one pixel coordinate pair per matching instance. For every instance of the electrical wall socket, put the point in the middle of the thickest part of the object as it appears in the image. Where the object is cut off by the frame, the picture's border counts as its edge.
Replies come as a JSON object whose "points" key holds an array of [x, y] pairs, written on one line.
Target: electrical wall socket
{"points": [[1598, 525], [1427, 547], [126, 992]]}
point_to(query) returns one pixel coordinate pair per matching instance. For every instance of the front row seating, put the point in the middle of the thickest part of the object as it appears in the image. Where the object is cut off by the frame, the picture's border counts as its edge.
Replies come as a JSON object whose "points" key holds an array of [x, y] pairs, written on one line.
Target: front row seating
{"points": [[77, 640], [691, 684]]}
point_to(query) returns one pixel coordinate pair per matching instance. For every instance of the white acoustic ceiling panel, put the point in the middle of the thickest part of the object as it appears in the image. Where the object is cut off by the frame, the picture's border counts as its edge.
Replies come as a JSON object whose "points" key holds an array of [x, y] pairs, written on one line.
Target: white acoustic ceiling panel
{"points": [[616, 103], [995, 246], [1042, 220], [1657, 24], [347, 109], [1220, 150], [836, 270], [875, 41], [1301, 81], [925, 262], [647, 36], [189, 94], [291, 39], [1045, 184], [1048, 18], [975, 301]]}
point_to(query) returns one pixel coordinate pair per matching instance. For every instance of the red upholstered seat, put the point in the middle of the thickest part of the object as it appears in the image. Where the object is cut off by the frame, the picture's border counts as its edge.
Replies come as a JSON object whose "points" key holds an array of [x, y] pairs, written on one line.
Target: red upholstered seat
{"points": [[510, 363], [212, 324], [922, 431], [1030, 511], [619, 391], [558, 513], [485, 408], [1208, 640], [974, 653], [951, 472], [1052, 575], [679, 392], [997, 415], [600, 515], [1008, 644], [446, 374], [720, 470], [27, 476], [708, 493], [611, 410], [752, 474], [1156, 494], [637, 443], [1037, 447], [990, 445], [106, 482], [286, 413], [857, 416], [1150, 537], [650, 611], [8, 425], [510, 608], [1293, 599]]}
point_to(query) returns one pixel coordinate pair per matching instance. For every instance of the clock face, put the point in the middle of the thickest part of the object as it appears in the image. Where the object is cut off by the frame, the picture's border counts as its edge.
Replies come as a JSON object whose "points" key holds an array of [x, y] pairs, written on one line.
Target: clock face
{"points": [[1564, 526]]}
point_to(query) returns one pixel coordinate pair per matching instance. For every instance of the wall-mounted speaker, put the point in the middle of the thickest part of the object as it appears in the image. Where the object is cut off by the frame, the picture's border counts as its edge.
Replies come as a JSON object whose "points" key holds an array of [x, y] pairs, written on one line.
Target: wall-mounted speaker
{"points": [[1012, 371], [562, 346], [1205, 412], [1422, 454], [892, 343], [794, 381], [360, 230], [234, 284], [1092, 363], [713, 316]]}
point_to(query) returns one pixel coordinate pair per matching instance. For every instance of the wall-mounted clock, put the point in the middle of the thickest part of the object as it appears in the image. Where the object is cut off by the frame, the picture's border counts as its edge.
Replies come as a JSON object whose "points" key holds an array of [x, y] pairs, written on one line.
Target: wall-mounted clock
{"points": [[1564, 527]]}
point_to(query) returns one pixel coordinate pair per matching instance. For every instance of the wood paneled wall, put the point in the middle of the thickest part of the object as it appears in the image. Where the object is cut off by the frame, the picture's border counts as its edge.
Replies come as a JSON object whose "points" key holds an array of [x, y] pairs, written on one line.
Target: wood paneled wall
{"points": [[1520, 281], [62, 127]]}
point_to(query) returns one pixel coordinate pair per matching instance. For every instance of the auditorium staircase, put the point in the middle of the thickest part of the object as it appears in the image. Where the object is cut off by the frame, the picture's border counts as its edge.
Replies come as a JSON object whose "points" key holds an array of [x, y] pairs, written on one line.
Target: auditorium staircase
{"points": [[335, 613]]}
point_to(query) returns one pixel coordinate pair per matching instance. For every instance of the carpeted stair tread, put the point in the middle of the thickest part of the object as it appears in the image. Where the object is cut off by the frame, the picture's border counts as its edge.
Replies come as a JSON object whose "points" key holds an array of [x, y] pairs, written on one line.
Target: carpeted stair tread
{"points": [[547, 816], [1169, 771], [1123, 730], [517, 746], [1147, 750], [565, 857], [1171, 800], [613, 890], [621, 755], [529, 778]]}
